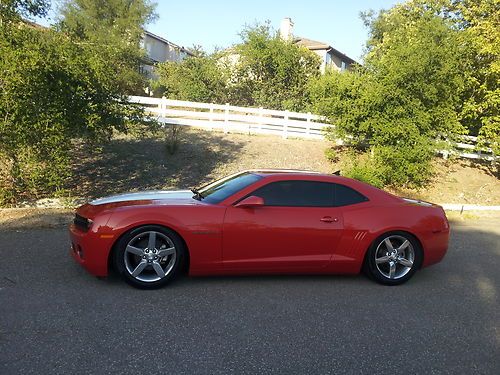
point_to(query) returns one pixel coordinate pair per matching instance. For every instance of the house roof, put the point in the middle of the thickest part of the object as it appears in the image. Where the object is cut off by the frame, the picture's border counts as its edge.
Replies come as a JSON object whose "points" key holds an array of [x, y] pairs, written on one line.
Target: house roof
{"points": [[316, 45], [182, 49]]}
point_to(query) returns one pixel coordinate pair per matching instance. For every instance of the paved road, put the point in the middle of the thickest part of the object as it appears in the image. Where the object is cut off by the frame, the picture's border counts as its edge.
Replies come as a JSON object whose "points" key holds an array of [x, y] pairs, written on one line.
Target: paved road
{"points": [[57, 319]]}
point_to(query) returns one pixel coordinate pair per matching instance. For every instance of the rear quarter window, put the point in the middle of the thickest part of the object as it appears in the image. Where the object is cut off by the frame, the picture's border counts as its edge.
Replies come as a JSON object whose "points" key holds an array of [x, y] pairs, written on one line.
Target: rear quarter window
{"points": [[345, 196]]}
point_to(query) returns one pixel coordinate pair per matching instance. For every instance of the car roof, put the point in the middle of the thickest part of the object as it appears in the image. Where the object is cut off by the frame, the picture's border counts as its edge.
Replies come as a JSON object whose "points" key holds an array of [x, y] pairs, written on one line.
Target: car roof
{"points": [[281, 171]]}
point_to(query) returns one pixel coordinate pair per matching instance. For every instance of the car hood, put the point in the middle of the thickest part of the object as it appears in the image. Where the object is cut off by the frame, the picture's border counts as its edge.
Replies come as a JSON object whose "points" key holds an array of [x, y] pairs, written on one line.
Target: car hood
{"points": [[147, 197]]}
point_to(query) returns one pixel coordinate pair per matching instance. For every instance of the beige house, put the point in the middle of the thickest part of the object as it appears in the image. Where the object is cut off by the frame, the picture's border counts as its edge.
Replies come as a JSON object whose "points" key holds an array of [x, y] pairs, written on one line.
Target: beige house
{"points": [[330, 57], [160, 50]]}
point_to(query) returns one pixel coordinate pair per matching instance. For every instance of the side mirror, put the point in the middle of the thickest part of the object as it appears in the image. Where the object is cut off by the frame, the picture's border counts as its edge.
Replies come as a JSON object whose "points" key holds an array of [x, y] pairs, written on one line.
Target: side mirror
{"points": [[251, 201]]}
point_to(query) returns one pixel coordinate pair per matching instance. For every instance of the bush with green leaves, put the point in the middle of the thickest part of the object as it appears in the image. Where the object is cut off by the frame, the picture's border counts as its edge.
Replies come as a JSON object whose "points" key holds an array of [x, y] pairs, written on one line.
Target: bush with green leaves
{"points": [[408, 95], [262, 71], [271, 72], [363, 170], [52, 91], [478, 22], [113, 29], [198, 78]]}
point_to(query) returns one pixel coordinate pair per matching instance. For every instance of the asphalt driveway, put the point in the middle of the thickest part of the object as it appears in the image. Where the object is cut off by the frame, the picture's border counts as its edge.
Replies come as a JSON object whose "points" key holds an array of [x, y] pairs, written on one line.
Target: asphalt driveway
{"points": [[55, 318]]}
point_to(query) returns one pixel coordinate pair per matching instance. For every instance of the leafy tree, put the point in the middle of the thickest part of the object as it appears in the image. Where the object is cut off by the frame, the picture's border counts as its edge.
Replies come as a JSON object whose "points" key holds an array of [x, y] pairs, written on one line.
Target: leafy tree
{"points": [[404, 98], [201, 78], [51, 91], [114, 29], [270, 71], [263, 70], [479, 23], [15, 9]]}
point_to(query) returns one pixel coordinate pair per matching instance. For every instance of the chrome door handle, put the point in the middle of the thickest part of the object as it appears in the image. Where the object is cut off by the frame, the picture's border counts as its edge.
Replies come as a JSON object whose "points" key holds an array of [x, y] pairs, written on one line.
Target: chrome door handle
{"points": [[329, 219]]}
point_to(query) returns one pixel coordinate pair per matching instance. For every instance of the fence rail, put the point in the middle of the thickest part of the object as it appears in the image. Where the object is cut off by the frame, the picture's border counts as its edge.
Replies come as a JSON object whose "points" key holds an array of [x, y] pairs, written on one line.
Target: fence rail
{"points": [[229, 118]]}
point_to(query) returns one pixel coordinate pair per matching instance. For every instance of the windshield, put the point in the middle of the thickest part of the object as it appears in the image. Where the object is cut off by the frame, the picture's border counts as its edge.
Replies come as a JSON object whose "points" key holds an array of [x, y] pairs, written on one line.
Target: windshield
{"points": [[219, 190]]}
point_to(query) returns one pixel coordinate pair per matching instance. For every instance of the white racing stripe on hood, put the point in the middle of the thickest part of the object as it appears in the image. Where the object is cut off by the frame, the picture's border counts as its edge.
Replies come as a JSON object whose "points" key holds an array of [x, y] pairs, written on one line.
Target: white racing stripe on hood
{"points": [[143, 195]]}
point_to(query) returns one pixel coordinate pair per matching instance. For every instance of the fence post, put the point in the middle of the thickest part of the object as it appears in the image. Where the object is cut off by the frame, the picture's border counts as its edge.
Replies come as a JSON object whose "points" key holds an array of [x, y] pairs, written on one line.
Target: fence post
{"points": [[261, 118], [308, 125], [226, 118], [285, 127], [163, 107], [211, 116]]}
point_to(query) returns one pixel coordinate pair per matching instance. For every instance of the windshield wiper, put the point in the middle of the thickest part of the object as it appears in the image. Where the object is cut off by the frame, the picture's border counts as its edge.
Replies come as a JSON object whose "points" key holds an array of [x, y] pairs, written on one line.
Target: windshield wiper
{"points": [[197, 195]]}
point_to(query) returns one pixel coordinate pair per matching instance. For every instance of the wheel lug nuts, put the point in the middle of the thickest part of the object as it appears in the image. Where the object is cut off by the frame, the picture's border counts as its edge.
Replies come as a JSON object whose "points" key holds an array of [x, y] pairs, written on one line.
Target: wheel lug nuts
{"points": [[144, 257]]}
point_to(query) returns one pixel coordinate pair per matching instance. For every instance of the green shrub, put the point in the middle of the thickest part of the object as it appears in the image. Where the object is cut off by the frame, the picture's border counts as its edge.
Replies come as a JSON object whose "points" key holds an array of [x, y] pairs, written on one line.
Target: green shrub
{"points": [[401, 165], [172, 137], [405, 96], [332, 155], [262, 71], [405, 165], [366, 172], [51, 91]]}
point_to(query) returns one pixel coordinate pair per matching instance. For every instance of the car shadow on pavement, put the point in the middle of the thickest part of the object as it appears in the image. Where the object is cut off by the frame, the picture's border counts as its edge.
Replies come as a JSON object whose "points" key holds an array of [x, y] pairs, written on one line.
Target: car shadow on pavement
{"points": [[469, 240]]}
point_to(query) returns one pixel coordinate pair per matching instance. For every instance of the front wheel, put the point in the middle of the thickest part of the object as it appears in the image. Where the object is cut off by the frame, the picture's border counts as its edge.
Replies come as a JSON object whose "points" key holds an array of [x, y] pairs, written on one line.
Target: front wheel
{"points": [[393, 258], [149, 257]]}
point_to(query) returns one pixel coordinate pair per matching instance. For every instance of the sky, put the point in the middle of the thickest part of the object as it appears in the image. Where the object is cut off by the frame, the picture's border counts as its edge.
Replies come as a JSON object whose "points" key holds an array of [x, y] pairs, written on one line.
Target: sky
{"points": [[216, 23]]}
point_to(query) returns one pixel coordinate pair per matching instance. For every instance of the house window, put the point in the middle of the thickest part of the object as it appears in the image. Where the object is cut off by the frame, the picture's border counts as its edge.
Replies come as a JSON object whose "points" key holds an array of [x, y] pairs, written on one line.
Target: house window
{"points": [[343, 65]]}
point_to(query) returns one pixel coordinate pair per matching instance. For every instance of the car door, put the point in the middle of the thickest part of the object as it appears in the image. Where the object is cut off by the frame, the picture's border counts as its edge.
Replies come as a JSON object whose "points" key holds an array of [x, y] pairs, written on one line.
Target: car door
{"points": [[296, 229]]}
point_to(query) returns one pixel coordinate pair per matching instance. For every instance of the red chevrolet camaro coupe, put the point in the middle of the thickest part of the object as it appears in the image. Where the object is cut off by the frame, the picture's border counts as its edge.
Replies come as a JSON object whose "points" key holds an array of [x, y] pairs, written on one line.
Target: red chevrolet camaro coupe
{"points": [[260, 222]]}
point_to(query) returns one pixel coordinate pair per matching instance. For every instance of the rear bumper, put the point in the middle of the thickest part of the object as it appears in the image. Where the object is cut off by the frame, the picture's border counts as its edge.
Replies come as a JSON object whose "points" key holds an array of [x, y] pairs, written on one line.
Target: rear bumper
{"points": [[89, 250], [435, 246]]}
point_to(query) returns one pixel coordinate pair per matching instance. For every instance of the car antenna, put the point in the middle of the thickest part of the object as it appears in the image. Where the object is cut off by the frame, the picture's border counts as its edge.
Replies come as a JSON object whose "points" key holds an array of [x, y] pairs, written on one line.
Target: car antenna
{"points": [[337, 172]]}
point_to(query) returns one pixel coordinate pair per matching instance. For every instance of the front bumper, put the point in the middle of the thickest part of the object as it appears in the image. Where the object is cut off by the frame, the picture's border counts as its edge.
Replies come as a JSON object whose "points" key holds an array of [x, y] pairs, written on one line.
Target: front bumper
{"points": [[90, 250]]}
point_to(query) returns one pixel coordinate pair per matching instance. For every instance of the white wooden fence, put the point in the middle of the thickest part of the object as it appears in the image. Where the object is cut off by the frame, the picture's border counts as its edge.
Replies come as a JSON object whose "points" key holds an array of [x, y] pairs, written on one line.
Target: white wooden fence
{"points": [[231, 118], [466, 148]]}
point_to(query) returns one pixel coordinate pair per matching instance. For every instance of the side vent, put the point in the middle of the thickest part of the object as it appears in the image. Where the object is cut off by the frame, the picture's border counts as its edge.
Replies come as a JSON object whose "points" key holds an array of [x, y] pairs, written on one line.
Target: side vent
{"points": [[360, 235]]}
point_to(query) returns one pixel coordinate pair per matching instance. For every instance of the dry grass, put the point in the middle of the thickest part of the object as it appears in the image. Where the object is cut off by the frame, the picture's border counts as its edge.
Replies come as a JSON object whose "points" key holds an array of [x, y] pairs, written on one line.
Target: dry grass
{"points": [[25, 218], [130, 164], [460, 181]]}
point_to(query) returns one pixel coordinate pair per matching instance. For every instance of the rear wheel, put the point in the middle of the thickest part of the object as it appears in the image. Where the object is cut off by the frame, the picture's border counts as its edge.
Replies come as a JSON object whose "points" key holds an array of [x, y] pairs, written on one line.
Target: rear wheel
{"points": [[393, 258], [149, 257]]}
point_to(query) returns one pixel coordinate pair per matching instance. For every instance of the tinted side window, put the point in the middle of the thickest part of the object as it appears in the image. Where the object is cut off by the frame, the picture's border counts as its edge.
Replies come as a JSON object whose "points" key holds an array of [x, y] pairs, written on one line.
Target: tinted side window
{"points": [[297, 193], [345, 196], [220, 190]]}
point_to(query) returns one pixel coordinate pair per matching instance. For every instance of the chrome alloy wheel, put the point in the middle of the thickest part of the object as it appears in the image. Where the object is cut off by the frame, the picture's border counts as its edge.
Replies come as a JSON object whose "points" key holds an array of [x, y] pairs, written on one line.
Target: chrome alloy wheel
{"points": [[150, 256], [394, 256]]}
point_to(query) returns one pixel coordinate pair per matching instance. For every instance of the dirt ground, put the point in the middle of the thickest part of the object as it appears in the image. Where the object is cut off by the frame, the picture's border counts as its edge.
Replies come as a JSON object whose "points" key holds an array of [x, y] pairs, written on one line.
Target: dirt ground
{"points": [[139, 163], [460, 181], [131, 164], [28, 218]]}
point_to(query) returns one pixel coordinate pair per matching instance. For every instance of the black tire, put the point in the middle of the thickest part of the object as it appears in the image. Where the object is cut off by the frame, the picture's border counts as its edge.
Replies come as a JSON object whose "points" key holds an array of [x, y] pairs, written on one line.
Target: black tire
{"points": [[125, 261], [381, 272]]}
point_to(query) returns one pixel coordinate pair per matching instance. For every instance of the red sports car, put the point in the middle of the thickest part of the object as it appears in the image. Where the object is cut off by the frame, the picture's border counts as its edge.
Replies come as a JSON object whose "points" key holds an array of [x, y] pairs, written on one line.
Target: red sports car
{"points": [[260, 222]]}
